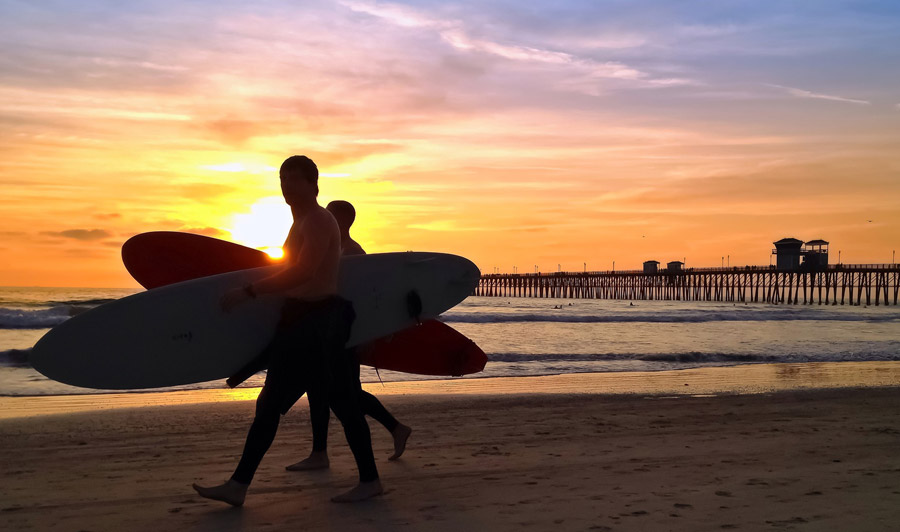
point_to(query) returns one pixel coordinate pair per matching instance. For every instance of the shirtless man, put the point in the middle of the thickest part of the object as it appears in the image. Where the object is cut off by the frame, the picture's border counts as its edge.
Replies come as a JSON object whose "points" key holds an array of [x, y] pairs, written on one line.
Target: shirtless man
{"points": [[307, 351], [345, 214]]}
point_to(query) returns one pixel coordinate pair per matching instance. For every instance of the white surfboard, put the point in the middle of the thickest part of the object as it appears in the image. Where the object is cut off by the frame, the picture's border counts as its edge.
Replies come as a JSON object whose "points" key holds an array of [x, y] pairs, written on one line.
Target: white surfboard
{"points": [[178, 334]]}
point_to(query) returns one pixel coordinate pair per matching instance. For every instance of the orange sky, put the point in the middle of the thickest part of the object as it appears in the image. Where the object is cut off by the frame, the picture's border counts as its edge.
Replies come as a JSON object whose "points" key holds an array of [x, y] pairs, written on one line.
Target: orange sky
{"points": [[589, 133]]}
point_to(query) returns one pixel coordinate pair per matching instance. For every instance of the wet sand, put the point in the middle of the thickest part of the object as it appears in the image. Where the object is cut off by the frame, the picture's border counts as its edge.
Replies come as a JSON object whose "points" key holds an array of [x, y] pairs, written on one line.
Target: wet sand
{"points": [[745, 379], [779, 453]]}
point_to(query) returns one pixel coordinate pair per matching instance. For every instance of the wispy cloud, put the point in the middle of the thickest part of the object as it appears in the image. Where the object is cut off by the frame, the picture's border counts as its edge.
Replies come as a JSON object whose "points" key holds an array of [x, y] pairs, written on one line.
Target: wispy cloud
{"points": [[801, 93], [455, 33], [236, 167], [80, 234]]}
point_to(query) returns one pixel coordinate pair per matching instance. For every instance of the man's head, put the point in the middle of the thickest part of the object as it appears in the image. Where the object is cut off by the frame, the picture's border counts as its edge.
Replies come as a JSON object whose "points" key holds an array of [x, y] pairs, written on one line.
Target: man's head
{"points": [[299, 178], [343, 212]]}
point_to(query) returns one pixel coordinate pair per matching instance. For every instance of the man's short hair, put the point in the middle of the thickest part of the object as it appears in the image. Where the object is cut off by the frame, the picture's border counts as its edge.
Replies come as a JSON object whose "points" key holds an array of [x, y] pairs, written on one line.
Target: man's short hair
{"points": [[302, 166], [343, 212]]}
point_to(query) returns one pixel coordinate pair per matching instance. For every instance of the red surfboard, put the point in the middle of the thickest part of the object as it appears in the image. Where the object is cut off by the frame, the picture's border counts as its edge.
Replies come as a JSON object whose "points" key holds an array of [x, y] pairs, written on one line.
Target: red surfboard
{"points": [[160, 258], [165, 257]]}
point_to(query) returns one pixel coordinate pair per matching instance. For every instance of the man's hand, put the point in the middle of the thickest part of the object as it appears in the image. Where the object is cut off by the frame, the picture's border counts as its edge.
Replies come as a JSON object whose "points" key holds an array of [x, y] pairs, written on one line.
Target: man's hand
{"points": [[233, 298]]}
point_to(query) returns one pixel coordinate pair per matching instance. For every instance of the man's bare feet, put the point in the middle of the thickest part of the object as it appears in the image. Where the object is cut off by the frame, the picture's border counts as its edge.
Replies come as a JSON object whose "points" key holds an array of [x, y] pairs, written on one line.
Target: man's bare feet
{"points": [[401, 434], [362, 491], [315, 460], [231, 492]]}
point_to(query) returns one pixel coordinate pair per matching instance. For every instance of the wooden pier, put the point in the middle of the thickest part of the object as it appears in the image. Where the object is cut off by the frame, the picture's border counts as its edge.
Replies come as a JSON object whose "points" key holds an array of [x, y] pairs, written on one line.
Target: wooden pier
{"points": [[840, 284]]}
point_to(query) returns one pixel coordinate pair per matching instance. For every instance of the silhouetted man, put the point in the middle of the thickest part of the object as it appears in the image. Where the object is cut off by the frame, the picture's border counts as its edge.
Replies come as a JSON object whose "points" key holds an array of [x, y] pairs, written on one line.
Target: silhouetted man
{"points": [[307, 351], [345, 214]]}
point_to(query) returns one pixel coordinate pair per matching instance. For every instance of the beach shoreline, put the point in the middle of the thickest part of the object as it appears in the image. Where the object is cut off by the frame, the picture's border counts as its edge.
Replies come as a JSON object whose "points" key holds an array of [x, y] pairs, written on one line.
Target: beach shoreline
{"points": [[718, 380]]}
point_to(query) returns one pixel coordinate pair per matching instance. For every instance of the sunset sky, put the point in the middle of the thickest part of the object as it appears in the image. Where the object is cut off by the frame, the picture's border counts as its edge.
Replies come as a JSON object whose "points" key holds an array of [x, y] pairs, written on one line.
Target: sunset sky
{"points": [[515, 135]]}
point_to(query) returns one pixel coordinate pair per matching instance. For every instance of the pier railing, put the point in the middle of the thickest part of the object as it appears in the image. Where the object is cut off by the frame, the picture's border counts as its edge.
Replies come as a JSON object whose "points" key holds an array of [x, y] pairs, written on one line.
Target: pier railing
{"points": [[837, 284]]}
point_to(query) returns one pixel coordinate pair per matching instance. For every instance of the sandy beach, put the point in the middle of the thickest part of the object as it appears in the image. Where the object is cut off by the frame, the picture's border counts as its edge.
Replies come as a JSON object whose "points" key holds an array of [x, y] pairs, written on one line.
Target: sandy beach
{"points": [[745, 448]]}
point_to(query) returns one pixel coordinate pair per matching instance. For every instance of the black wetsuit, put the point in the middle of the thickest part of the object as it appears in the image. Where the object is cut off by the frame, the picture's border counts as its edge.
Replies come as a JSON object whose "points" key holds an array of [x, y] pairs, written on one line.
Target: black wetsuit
{"points": [[371, 406], [320, 414], [307, 355]]}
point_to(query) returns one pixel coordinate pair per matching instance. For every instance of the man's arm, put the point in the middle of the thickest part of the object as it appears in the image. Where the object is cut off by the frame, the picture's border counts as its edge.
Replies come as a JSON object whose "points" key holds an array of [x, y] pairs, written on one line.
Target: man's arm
{"points": [[288, 253], [315, 233]]}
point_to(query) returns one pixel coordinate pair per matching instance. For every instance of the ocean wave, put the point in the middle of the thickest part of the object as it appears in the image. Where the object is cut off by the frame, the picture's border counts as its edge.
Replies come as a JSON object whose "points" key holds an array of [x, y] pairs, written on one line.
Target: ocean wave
{"points": [[83, 302], [688, 317], [15, 357], [14, 318], [696, 357], [692, 357]]}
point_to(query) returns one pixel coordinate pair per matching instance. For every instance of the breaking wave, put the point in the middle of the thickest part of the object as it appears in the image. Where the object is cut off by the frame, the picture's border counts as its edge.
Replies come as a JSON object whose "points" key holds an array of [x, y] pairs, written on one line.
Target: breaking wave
{"points": [[696, 357], [17, 318], [673, 317]]}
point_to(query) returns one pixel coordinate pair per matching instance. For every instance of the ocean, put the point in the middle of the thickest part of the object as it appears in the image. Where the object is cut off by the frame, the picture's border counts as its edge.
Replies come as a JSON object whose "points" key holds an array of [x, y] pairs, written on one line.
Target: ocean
{"points": [[540, 336]]}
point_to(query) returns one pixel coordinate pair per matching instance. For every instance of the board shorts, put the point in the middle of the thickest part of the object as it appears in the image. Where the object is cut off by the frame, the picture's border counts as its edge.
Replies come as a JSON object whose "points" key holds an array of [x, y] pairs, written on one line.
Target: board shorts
{"points": [[308, 343]]}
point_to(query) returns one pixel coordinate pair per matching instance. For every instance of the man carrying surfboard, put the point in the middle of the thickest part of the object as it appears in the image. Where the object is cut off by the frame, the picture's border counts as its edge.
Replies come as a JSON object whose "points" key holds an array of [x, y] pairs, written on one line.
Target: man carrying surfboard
{"points": [[306, 353], [319, 412]]}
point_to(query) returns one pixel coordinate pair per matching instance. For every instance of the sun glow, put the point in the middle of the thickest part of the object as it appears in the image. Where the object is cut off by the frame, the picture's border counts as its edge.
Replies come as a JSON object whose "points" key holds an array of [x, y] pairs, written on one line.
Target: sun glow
{"points": [[265, 227], [251, 168], [274, 253]]}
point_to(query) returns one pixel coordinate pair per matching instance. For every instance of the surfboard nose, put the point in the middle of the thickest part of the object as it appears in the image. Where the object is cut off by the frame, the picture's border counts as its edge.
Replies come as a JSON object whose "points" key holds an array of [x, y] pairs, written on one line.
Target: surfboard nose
{"points": [[475, 359], [465, 273]]}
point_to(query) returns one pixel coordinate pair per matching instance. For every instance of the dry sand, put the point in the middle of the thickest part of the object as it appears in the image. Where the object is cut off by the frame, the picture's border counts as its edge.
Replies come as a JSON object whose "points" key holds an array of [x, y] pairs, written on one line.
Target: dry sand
{"points": [[495, 459]]}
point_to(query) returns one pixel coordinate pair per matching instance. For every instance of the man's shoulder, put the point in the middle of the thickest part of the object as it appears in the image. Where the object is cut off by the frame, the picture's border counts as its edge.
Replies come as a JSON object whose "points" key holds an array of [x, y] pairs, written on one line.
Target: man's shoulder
{"points": [[352, 247], [320, 218]]}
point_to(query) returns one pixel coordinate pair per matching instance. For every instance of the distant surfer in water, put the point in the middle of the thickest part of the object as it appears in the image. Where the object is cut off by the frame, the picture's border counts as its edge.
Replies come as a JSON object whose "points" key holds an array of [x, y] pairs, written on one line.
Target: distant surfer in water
{"points": [[319, 414], [307, 352]]}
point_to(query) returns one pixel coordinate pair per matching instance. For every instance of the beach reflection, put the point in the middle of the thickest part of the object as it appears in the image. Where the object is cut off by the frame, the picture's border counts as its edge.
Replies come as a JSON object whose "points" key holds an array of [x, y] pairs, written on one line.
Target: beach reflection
{"points": [[747, 379]]}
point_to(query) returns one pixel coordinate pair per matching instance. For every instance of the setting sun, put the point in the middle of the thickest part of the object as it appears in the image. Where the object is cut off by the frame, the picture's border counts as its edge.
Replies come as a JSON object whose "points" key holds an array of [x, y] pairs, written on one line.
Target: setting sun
{"points": [[265, 227], [274, 253]]}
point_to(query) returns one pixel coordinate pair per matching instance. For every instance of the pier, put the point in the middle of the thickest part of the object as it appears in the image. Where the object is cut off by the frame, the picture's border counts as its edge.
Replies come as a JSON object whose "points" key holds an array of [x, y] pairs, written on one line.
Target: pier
{"points": [[835, 284]]}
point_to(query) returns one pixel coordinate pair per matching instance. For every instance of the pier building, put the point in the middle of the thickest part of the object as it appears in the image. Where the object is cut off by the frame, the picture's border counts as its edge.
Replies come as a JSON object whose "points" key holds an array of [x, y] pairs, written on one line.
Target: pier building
{"points": [[651, 266]]}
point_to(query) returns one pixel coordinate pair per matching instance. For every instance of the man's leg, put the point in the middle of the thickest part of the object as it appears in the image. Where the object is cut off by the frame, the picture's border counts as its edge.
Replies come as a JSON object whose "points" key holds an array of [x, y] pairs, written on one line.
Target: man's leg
{"points": [[319, 415], [283, 386], [373, 408], [259, 438], [343, 394]]}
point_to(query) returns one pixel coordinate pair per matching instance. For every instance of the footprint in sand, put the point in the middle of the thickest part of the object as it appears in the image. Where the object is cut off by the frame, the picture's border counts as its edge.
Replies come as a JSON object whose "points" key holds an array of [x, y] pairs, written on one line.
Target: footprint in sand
{"points": [[787, 522]]}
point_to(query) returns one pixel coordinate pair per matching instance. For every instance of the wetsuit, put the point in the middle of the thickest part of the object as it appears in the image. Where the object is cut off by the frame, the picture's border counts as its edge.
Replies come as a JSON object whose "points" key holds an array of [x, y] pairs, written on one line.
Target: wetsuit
{"points": [[319, 414], [307, 354]]}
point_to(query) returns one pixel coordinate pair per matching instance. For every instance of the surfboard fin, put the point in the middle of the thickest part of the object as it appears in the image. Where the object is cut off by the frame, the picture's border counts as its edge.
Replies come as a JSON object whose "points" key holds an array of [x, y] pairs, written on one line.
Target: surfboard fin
{"points": [[250, 369], [414, 305]]}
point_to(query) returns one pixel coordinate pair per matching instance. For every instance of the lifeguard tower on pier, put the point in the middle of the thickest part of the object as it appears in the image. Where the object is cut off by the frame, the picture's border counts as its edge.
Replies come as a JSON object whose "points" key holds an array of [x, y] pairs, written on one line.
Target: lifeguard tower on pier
{"points": [[789, 253], [815, 255]]}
